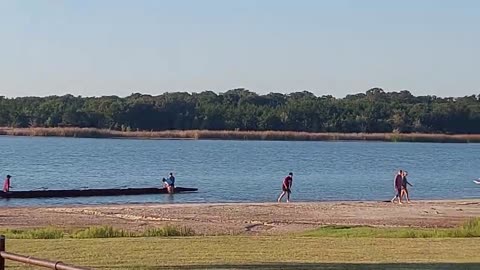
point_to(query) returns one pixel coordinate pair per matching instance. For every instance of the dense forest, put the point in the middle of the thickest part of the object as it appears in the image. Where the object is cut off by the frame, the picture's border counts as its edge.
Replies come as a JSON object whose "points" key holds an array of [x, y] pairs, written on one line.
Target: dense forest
{"points": [[240, 109]]}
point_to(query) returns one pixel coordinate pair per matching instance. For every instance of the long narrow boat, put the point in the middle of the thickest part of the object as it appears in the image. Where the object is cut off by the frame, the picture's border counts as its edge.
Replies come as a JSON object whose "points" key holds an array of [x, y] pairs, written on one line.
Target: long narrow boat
{"points": [[89, 192]]}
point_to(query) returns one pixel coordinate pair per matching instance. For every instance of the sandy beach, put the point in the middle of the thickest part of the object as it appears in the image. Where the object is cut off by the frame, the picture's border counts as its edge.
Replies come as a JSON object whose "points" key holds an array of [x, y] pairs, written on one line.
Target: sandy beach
{"points": [[246, 218]]}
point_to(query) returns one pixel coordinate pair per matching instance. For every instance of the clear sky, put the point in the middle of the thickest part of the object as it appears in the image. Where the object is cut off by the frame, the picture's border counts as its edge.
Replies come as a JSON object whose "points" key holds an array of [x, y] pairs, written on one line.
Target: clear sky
{"points": [[111, 47]]}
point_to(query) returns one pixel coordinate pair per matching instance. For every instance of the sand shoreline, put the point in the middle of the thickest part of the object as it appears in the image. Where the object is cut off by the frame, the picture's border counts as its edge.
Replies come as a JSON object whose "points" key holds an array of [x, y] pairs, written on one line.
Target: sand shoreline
{"points": [[199, 204], [245, 218]]}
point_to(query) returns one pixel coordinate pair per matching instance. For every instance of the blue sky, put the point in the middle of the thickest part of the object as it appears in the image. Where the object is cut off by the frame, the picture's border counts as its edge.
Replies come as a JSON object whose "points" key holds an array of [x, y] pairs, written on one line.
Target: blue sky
{"points": [[94, 48]]}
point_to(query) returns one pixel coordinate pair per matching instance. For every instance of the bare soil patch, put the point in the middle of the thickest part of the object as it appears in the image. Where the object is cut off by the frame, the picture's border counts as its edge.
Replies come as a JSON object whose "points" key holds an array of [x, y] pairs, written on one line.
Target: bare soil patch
{"points": [[246, 218]]}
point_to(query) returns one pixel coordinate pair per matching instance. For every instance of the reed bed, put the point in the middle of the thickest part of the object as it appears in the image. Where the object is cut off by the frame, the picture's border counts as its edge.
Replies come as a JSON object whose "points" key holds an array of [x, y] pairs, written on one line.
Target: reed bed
{"points": [[240, 135]]}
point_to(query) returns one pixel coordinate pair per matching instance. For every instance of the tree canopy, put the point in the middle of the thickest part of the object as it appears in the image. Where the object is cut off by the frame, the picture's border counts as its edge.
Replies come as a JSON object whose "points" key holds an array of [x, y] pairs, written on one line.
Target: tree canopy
{"points": [[241, 109]]}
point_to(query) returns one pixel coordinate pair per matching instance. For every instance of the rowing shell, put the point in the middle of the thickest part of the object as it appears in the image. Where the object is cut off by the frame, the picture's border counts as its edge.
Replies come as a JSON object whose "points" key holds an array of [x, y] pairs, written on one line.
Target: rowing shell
{"points": [[89, 192]]}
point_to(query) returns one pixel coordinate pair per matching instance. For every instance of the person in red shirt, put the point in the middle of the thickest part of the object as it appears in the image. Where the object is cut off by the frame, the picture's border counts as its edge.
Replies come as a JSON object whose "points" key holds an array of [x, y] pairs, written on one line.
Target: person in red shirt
{"points": [[6, 184], [397, 186], [286, 187]]}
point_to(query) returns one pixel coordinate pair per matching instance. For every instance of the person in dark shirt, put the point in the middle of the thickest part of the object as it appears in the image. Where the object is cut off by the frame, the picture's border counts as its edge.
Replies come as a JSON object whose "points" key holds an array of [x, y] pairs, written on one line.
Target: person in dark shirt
{"points": [[397, 186], [286, 187], [404, 186], [172, 180]]}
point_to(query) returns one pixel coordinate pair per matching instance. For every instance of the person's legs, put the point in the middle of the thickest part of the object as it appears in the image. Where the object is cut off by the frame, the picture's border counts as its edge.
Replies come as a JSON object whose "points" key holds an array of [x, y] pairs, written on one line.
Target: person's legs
{"points": [[281, 196], [406, 193], [288, 196], [395, 197], [399, 192]]}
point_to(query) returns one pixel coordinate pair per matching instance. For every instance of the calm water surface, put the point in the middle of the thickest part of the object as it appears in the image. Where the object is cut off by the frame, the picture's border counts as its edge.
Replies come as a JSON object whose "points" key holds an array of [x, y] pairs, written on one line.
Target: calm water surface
{"points": [[237, 171]]}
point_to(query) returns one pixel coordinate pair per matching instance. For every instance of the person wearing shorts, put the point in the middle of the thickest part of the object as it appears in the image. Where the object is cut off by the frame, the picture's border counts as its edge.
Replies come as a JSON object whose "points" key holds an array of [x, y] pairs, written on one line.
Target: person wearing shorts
{"points": [[405, 183], [397, 185], [286, 187]]}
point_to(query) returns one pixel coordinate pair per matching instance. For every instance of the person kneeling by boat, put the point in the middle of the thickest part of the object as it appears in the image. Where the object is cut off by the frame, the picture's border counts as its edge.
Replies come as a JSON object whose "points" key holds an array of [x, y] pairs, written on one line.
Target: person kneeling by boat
{"points": [[6, 184], [169, 183]]}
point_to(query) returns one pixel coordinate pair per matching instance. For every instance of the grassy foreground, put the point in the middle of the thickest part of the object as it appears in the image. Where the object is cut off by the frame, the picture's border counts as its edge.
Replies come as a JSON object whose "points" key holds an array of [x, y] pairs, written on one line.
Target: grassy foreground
{"points": [[238, 135], [470, 228], [243, 252], [94, 232]]}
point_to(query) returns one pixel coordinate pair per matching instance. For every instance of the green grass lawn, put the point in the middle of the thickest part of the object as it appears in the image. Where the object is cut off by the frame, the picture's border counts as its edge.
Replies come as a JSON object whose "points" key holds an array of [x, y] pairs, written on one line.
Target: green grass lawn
{"points": [[371, 232], [249, 252]]}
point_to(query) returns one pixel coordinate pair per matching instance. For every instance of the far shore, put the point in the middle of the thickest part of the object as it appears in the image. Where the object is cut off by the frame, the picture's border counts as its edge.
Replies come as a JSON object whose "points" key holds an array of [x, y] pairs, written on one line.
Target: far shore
{"points": [[247, 218], [238, 135]]}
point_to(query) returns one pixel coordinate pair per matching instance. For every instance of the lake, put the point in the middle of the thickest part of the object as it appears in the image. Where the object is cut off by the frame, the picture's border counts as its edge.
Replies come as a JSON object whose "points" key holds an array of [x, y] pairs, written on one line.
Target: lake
{"points": [[237, 171]]}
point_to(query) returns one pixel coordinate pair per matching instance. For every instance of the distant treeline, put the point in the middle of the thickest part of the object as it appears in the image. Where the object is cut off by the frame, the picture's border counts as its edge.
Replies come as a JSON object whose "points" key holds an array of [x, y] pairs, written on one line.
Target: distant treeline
{"points": [[375, 111]]}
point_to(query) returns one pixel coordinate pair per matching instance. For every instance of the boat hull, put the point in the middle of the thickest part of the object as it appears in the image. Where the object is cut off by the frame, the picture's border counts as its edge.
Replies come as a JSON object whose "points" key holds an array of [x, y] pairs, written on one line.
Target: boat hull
{"points": [[90, 192]]}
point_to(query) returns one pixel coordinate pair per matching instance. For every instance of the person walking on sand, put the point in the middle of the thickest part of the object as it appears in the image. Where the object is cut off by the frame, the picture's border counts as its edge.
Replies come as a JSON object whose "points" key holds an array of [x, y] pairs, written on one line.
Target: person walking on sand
{"points": [[397, 185], [6, 184], [404, 186], [286, 187]]}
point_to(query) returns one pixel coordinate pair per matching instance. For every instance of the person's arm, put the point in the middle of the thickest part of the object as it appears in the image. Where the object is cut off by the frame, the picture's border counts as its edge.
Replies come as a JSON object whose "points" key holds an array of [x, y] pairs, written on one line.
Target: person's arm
{"points": [[408, 183]]}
